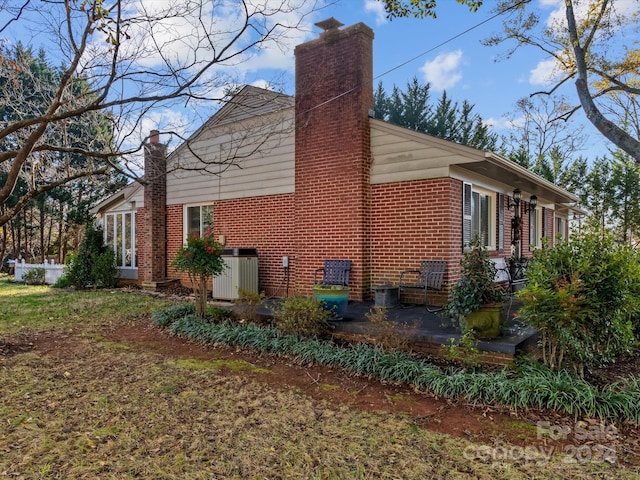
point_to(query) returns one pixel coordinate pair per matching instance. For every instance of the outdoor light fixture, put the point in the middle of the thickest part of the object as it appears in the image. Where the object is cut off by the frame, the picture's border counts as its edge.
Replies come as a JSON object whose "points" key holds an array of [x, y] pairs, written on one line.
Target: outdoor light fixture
{"points": [[517, 195], [514, 202], [533, 201]]}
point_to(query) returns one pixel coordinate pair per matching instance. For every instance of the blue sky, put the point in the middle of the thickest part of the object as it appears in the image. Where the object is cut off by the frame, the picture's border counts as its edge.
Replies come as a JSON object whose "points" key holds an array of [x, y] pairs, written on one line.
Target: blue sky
{"points": [[463, 66], [436, 51]]}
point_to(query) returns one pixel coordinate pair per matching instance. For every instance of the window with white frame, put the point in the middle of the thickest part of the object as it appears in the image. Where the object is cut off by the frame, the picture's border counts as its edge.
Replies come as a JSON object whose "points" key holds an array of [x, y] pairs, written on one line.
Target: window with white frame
{"points": [[561, 228], [479, 215], [535, 228], [120, 234], [197, 218]]}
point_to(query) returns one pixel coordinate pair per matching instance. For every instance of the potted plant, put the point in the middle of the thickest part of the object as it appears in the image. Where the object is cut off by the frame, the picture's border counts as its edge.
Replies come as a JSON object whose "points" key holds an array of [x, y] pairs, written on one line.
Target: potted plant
{"points": [[475, 302], [334, 298]]}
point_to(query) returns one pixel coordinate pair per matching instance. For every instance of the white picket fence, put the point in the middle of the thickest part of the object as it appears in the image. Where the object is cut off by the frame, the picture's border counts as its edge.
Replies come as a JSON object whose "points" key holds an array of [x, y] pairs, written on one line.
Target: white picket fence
{"points": [[52, 271]]}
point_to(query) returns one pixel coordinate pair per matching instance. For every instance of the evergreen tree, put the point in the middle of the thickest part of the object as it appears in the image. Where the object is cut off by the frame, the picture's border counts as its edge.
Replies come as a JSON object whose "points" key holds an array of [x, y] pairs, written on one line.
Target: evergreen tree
{"points": [[599, 194], [412, 109], [46, 220], [625, 179]]}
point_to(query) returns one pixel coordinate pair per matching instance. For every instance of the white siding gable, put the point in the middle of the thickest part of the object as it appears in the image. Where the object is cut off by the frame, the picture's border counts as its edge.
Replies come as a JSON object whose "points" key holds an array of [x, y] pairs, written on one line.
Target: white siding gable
{"points": [[248, 150]]}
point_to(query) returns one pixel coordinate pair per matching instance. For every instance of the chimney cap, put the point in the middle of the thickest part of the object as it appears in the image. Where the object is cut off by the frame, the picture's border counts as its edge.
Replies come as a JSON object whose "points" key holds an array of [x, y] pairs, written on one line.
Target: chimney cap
{"points": [[329, 24]]}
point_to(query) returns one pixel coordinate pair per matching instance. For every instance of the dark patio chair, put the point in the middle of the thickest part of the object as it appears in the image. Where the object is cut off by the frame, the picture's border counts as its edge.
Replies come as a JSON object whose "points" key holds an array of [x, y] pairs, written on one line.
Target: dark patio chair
{"points": [[334, 272], [430, 277]]}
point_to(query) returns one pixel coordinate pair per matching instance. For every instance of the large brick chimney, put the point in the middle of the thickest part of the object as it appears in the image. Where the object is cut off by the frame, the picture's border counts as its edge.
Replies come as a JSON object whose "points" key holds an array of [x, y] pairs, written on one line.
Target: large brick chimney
{"points": [[153, 265], [334, 93]]}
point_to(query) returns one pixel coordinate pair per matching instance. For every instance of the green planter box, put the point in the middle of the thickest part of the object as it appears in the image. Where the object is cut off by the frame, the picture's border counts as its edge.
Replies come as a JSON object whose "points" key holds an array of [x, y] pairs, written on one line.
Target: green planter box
{"points": [[485, 322], [334, 300]]}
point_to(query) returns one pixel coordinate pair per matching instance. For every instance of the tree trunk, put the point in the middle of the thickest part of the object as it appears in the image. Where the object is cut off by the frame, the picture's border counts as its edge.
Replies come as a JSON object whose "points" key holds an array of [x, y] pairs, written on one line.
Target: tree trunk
{"points": [[610, 130], [201, 298]]}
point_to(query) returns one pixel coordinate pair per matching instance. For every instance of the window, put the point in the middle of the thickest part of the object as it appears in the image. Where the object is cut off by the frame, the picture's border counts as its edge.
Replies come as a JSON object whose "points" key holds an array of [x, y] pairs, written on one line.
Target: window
{"points": [[478, 216], [197, 219], [120, 234], [561, 225], [535, 229]]}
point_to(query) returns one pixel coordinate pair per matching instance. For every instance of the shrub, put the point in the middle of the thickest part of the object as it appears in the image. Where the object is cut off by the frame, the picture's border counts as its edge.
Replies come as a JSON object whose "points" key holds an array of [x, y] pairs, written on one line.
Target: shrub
{"points": [[201, 258], [35, 276], [580, 297], [301, 315], [94, 265], [62, 282], [464, 350], [388, 333], [218, 314], [104, 272], [247, 304]]}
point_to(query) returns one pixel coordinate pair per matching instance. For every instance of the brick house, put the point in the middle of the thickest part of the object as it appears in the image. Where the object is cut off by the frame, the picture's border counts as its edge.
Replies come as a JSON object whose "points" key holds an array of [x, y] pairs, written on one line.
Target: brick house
{"points": [[315, 177]]}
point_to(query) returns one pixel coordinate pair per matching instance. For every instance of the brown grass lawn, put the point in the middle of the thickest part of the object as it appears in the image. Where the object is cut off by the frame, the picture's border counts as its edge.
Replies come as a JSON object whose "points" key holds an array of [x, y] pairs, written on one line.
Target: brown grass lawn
{"points": [[89, 389]]}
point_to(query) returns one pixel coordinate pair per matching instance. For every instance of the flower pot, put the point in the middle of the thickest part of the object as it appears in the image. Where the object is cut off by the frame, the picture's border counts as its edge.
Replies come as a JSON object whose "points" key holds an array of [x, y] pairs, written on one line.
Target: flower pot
{"points": [[485, 322], [333, 299]]}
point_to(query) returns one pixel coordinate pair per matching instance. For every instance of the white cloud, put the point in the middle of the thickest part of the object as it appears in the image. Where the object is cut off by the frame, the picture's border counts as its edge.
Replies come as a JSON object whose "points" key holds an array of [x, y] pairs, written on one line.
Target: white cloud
{"points": [[558, 20], [517, 123], [544, 73], [443, 71], [377, 8], [494, 123], [187, 35]]}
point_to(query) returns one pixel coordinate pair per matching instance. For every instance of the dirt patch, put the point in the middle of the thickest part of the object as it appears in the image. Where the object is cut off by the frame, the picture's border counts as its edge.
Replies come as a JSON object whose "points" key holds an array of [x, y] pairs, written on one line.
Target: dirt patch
{"points": [[489, 425], [621, 369], [484, 425], [8, 349]]}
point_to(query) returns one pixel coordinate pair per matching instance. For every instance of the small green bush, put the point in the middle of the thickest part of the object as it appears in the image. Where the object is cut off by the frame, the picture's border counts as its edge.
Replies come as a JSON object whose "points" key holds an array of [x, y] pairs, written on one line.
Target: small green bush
{"points": [[94, 265], [202, 259], [465, 350], [218, 314], [62, 282], [35, 276], [301, 315], [581, 297], [247, 304], [104, 271]]}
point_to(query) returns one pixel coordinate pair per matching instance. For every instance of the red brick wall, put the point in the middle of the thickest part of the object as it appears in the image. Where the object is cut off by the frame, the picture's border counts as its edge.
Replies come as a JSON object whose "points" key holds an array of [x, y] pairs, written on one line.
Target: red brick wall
{"points": [[153, 260], [333, 157], [409, 222], [414, 221], [175, 239], [264, 223]]}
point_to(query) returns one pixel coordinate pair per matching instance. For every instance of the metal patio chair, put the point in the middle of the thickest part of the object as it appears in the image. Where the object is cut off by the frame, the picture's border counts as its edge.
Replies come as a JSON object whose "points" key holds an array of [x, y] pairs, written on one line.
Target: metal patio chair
{"points": [[334, 272], [430, 277]]}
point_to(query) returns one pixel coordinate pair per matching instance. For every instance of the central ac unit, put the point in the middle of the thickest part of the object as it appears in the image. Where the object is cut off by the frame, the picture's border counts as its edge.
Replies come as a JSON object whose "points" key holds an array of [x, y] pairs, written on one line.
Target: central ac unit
{"points": [[240, 273]]}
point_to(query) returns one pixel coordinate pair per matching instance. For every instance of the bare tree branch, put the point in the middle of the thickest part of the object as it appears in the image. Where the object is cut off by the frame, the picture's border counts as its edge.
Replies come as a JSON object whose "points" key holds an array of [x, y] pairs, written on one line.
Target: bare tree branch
{"points": [[123, 63]]}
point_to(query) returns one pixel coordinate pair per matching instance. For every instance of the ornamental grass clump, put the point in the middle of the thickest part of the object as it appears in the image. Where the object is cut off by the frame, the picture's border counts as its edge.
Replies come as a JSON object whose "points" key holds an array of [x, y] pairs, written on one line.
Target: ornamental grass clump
{"points": [[201, 258]]}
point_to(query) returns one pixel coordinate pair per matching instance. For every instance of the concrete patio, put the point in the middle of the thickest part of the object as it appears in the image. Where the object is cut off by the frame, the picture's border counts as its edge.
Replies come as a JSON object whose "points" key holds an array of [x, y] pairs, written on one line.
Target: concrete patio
{"points": [[426, 331]]}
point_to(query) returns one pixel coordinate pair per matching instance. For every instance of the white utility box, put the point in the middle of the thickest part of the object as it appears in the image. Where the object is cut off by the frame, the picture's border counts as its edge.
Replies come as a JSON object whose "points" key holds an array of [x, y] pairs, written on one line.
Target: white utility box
{"points": [[240, 273]]}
